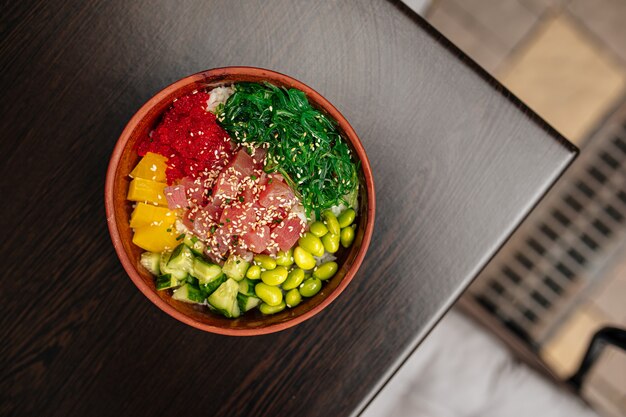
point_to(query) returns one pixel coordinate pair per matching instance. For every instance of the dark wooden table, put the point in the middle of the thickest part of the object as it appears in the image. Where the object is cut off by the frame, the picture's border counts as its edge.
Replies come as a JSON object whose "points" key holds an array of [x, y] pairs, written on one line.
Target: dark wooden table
{"points": [[458, 163]]}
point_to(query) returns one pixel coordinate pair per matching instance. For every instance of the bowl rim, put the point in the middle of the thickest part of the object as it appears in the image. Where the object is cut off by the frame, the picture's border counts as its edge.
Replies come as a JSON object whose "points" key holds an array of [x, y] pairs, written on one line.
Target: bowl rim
{"points": [[120, 145]]}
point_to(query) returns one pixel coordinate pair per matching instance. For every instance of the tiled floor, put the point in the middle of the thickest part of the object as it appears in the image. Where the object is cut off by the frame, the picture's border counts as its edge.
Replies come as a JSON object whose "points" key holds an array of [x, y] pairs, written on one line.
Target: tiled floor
{"points": [[563, 76], [605, 20], [567, 60]]}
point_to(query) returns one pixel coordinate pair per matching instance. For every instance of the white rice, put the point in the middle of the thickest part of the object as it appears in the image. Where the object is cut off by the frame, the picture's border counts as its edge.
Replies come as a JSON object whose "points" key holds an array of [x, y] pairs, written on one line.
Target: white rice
{"points": [[180, 227], [218, 96]]}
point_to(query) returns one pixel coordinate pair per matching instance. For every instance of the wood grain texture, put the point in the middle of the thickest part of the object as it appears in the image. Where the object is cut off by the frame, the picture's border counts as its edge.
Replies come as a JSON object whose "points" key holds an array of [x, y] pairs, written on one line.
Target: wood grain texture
{"points": [[457, 165]]}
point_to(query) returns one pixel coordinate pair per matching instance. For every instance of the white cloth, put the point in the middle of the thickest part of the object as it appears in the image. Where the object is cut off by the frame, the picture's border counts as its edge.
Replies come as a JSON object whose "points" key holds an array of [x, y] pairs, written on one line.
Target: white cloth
{"points": [[461, 371]]}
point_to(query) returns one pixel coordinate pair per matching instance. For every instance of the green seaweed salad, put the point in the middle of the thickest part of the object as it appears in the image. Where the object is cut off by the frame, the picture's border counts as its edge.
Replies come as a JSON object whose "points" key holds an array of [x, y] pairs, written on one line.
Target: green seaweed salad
{"points": [[303, 144]]}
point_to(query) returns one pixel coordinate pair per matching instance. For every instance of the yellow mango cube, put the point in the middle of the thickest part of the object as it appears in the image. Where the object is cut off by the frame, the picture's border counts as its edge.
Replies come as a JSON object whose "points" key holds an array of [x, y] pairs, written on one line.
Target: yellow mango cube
{"points": [[150, 215], [147, 191], [151, 167], [155, 238]]}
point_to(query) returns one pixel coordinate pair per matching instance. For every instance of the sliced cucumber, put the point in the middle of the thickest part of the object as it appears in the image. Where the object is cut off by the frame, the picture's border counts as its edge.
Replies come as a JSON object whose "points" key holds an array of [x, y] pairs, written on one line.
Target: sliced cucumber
{"points": [[246, 302], [163, 282], [150, 261], [205, 271], [181, 258], [224, 299], [179, 274], [211, 286], [189, 294], [195, 244], [235, 267], [246, 287]]}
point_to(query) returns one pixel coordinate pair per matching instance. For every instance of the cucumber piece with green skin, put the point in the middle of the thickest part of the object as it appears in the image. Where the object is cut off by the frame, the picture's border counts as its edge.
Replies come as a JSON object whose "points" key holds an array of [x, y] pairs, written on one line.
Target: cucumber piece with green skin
{"points": [[163, 282], [224, 299], [151, 261], [211, 286], [205, 271], [195, 244], [181, 258], [235, 267], [189, 294], [246, 302], [179, 274], [246, 287]]}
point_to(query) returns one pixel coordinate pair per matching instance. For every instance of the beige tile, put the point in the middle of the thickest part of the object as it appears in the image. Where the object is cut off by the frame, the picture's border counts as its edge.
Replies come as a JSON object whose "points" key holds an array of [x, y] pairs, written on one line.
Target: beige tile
{"points": [[563, 76], [564, 351], [610, 297], [542, 6], [611, 367], [605, 19], [602, 399], [467, 34], [506, 21]]}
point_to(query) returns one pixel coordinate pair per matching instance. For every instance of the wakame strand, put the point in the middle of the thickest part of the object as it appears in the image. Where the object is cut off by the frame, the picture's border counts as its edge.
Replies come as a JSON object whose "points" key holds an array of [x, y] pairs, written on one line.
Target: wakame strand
{"points": [[303, 144]]}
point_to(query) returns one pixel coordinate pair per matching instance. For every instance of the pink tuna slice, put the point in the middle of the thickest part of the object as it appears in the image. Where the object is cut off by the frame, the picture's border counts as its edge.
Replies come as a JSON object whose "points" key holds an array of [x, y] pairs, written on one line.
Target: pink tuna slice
{"points": [[246, 255], [259, 157], [275, 176], [176, 196], [257, 239], [227, 183], [277, 194], [239, 218], [203, 223], [196, 193], [288, 232]]}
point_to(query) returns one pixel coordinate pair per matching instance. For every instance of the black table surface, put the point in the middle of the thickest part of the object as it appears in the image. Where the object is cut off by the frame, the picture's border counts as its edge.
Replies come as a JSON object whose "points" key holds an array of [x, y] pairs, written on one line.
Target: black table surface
{"points": [[457, 163]]}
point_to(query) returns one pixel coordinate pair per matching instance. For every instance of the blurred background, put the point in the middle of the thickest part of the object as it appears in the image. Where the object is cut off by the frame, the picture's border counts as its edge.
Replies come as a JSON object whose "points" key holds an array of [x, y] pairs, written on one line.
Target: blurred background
{"points": [[562, 276]]}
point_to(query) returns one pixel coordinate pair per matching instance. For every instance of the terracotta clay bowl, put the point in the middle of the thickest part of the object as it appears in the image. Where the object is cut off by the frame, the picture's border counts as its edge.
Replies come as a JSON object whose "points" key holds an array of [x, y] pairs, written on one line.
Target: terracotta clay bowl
{"points": [[118, 209]]}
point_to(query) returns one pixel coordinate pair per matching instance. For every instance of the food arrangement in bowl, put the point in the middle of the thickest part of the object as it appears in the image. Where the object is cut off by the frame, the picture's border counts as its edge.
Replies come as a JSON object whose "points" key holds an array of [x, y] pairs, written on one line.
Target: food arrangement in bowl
{"points": [[243, 196], [243, 199]]}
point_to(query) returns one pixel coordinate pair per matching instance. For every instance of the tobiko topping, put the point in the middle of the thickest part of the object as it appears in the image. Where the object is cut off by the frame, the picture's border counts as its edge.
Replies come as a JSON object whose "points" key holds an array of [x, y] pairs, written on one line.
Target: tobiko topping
{"points": [[189, 136]]}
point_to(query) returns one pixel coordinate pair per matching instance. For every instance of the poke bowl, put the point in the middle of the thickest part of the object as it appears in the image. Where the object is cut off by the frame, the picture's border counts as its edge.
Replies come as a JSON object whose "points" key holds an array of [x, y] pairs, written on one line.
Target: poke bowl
{"points": [[240, 201]]}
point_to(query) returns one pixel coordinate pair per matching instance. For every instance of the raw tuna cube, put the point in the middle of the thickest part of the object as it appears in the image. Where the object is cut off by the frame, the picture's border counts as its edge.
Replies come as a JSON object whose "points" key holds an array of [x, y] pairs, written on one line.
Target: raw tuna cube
{"points": [[202, 224], [243, 253], [259, 157], [287, 233], [243, 164], [277, 194], [196, 193], [239, 218], [176, 196], [227, 184], [257, 239]]}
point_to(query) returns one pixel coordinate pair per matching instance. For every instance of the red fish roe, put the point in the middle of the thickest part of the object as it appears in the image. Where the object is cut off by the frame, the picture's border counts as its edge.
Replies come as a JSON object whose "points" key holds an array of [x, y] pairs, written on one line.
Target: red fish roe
{"points": [[190, 138]]}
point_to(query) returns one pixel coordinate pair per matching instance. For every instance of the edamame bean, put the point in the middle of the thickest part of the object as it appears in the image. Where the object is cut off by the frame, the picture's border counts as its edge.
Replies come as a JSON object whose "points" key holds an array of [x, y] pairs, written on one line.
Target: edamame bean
{"points": [[284, 258], [268, 309], [265, 261], [303, 258], [325, 271], [318, 229], [275, 276], [330, 242], [293, 298], [346, 218], [295, 278], [270, 295], [347, 236], [331, 222], [254, 272], [310, 287], [312, 244]]}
